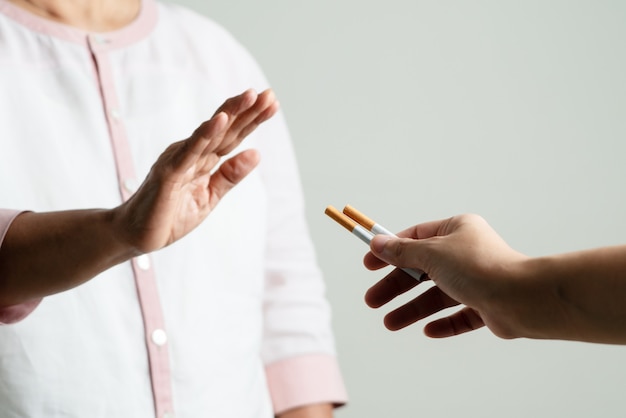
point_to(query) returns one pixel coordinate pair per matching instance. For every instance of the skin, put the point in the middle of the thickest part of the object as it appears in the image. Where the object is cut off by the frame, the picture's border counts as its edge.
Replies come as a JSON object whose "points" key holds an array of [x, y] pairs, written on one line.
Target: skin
{"points": [[177, 195], [309, 411], [578, 296], [47, 253], [90, 15]]}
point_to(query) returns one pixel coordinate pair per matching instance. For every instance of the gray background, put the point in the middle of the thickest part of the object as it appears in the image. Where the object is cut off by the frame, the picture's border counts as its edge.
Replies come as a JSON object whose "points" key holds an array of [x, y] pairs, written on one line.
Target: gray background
{"points": [[417, 110]]}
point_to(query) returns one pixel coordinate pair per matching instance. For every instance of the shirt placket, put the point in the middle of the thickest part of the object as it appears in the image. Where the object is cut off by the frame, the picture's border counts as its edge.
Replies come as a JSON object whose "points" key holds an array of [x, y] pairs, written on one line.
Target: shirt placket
{"points": [[145, 280]]}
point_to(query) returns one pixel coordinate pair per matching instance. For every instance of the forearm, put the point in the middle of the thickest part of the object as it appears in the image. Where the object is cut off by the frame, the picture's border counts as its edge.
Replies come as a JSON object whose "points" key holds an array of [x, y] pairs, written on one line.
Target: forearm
{"points": [[588, 289], [309, 411], [46, 253]]}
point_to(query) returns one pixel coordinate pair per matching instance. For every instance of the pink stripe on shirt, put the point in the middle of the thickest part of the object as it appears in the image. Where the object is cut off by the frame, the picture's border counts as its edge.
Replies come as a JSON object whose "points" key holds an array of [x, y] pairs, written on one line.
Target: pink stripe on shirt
{"points": [[305, 380]]}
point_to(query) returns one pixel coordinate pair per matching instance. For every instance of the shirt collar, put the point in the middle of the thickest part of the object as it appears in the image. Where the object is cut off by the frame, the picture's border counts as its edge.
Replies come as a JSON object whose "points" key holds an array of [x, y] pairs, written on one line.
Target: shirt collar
{"points": [[138, 29]]}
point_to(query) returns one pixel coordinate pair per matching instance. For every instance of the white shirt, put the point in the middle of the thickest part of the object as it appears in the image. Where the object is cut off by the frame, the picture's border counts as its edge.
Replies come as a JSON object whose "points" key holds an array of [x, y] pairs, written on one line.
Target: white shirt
{"points": [[231, 321]]}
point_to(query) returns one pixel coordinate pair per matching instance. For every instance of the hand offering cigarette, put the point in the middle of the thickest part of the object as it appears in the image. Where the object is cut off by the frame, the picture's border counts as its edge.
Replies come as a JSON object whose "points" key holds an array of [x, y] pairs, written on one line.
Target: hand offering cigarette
{"points": [[365, 229]]}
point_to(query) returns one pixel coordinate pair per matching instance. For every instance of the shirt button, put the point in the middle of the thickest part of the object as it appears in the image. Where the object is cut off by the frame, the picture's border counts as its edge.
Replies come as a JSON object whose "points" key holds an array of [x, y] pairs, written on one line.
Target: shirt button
{"points": [[159, 337], [115, 114], [130, 185], [143, 261], [99, 39]]}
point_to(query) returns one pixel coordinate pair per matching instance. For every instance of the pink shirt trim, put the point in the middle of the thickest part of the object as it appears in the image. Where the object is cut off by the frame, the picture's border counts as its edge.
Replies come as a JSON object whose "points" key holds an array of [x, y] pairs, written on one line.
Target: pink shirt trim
{"points": [[136, 30], [305, 380], [12, 314], [6, 218], [100, 46], [296, 381]]}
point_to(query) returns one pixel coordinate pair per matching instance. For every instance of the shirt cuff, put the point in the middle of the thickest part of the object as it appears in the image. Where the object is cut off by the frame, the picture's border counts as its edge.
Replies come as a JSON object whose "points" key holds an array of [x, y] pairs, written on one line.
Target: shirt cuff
{"points": [[12, 314], [15, 313], [305, 380], [6, 218]]}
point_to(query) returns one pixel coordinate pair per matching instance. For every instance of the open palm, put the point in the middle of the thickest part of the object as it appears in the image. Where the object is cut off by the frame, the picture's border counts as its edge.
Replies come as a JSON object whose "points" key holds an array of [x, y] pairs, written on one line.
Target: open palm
{"points": [[184, 184]]}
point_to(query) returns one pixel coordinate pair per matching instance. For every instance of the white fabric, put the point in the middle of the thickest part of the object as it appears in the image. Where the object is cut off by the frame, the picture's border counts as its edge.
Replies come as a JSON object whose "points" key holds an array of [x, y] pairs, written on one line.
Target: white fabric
{"points": [[241, 291]]}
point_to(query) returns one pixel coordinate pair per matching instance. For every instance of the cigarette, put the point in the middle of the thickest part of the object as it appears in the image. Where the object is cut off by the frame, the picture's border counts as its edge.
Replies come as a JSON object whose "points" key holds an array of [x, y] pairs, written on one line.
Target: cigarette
{"points": [[366, 222], [362, 233], [365, 229]]}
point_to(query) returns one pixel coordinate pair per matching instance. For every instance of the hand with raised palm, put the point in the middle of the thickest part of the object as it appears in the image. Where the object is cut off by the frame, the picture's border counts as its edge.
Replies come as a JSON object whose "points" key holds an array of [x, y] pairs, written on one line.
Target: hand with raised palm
{"points": [[186, 182], [48, 252]]}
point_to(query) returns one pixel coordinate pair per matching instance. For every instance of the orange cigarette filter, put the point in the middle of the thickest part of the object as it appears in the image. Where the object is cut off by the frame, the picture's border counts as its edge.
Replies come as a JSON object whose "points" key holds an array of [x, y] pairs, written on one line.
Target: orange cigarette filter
{"points": [[340, 218], [365, 229], [359, 217]]}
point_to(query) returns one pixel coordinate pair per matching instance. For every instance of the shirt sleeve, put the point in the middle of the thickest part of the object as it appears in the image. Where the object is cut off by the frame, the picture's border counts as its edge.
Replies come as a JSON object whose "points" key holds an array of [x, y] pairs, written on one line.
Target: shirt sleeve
{"points": [[305, 380], [298, 346], [15, 313]]}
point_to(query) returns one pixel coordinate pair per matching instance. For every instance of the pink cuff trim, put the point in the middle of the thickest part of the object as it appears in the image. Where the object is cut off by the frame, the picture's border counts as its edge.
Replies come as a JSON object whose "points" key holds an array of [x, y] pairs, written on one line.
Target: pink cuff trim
{"points": [[15, 313], [305, 380], [6, 218]]}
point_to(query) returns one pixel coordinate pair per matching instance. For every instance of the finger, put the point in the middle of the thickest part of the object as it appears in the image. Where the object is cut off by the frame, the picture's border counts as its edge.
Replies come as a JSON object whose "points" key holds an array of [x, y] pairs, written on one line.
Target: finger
{"points": [[463, 321], [420, 231], [395, 283], [230, 173], [424, 230], [430, 302], [266, 114], [401, 252], [231, 108], [371, 262], [194, 147], [265, 100], [245, 123], [269, 112], [235, 105]]}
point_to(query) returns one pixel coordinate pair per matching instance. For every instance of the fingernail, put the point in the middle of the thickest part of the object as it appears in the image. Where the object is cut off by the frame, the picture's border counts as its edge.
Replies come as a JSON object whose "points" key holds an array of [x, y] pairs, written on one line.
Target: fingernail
{"points": [[378, 243]]}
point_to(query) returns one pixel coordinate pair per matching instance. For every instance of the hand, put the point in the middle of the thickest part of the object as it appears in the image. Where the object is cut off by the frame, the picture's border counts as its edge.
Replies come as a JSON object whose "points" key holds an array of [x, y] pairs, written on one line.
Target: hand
{"points": [[470, 265], [181, 189], [50, 252]]}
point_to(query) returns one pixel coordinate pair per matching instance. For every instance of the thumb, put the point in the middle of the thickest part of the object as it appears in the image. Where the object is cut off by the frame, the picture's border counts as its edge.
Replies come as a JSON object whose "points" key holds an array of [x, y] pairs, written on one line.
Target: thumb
{"points": [[400, 252], [231, 172]]}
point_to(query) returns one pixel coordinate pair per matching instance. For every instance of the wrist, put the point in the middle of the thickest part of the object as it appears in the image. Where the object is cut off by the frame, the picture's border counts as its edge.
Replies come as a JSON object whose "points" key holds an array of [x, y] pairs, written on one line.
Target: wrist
{"points": [[123, 248], [322, 410], [512, 297], [534, 299]]}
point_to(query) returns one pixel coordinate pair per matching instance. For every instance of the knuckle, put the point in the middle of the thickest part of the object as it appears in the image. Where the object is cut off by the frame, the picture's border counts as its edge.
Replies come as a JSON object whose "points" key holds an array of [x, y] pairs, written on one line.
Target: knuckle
{"points": [[399, 250]]}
